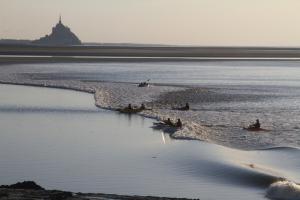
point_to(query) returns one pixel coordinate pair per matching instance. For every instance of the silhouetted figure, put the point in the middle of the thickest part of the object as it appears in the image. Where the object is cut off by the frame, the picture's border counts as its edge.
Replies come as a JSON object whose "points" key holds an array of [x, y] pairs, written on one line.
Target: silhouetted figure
{"points": [[187, 106], [143, 84], [179, 123], [143, 107], [256, 124], [168, 122], [129, 106]]}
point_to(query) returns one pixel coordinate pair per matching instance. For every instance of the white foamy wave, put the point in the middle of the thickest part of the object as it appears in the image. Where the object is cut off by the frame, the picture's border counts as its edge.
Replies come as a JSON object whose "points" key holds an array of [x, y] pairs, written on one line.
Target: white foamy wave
{"points": [[284, 190], [192, 131]]}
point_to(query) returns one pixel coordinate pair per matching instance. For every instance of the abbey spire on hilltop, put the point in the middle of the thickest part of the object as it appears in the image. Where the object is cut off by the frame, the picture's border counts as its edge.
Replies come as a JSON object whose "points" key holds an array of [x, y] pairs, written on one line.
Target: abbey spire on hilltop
{"points": [[61, 35]]}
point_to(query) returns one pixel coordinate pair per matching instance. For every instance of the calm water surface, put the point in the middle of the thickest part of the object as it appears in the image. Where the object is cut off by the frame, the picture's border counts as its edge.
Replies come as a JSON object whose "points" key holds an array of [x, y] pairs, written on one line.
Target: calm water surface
{"points": [[61, 140], [234, 73]]}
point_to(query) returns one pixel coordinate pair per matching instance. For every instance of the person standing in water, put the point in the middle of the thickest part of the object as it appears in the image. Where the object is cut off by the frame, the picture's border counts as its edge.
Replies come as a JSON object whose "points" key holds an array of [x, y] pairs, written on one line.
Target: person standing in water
{"points": [[179, 123], [168, 122], [256, 124], [187, 106], [143, 107], [129, 106]]}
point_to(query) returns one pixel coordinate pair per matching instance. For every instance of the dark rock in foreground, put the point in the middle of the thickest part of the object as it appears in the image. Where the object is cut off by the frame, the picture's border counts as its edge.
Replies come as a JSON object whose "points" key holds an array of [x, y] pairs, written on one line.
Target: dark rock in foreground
{"points": [[27, 185], [29, 190]]}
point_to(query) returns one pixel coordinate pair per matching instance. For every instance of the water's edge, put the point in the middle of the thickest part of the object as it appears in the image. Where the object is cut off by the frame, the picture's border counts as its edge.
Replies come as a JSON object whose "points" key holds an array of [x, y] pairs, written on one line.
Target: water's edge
{"points": [[25, 191]]}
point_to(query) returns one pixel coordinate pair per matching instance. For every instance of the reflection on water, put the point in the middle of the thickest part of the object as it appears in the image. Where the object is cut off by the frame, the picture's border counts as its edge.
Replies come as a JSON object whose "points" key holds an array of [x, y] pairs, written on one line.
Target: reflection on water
{"points": [[270, 73], [92, 150]]}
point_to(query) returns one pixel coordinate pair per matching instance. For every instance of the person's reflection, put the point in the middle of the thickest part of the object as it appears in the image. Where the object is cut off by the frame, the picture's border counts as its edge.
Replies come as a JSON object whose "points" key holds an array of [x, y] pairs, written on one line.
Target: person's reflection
{"points": [[143, 121], [129, 119], [125, 117]]}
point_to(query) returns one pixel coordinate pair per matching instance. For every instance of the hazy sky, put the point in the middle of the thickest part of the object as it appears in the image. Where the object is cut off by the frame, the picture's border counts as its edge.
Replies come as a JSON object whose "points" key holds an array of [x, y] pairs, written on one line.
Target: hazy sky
{"points": [[191, 22]]}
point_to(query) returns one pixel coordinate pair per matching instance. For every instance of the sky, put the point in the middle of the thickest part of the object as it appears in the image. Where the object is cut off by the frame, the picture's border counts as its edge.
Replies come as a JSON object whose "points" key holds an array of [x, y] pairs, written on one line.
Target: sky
{"points": [[176, 22]]}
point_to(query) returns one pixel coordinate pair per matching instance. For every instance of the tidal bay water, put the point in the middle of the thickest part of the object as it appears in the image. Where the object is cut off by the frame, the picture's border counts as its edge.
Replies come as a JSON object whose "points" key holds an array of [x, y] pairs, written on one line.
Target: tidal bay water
{"points": [[265, 89], [59, 139]]}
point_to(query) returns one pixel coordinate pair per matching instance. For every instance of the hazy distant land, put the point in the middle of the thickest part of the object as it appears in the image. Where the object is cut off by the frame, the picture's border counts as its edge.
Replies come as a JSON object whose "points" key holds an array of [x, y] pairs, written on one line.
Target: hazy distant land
{"points": [[138, 53], [61, 41], [150, 51]]}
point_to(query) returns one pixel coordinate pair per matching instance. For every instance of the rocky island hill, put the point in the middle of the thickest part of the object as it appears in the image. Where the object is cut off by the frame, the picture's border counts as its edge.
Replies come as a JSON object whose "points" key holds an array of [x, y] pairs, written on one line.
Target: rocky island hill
{"points": [[61, 35]]}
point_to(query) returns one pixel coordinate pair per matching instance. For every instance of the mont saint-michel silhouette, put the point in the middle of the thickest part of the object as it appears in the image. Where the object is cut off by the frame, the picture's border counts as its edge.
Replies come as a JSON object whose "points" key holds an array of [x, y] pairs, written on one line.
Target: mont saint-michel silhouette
{"points": [[61, 35]]}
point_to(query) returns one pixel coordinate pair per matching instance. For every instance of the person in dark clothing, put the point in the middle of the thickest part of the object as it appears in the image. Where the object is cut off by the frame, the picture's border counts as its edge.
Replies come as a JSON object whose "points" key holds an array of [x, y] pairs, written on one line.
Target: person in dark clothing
{"points": [[179, 123], [256, 124], [129, 106], [168, 122], [187, 106], [143, 107]]}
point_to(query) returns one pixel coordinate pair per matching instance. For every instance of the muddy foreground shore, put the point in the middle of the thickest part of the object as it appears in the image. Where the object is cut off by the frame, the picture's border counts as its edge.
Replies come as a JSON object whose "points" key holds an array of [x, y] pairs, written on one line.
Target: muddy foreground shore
{"points": [[29, 190]]}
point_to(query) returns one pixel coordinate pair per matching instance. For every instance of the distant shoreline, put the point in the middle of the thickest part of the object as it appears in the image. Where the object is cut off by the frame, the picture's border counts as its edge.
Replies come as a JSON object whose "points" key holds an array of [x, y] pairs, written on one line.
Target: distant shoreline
{"points": [[20, 54], [151, 51], [25, 59]]}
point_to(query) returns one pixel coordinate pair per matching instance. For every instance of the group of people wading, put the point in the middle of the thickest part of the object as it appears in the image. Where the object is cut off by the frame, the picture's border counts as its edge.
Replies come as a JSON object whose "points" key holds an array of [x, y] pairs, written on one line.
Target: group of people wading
{"points": [[255, 125], [168, 122], [178, 124], [129, 109]]}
